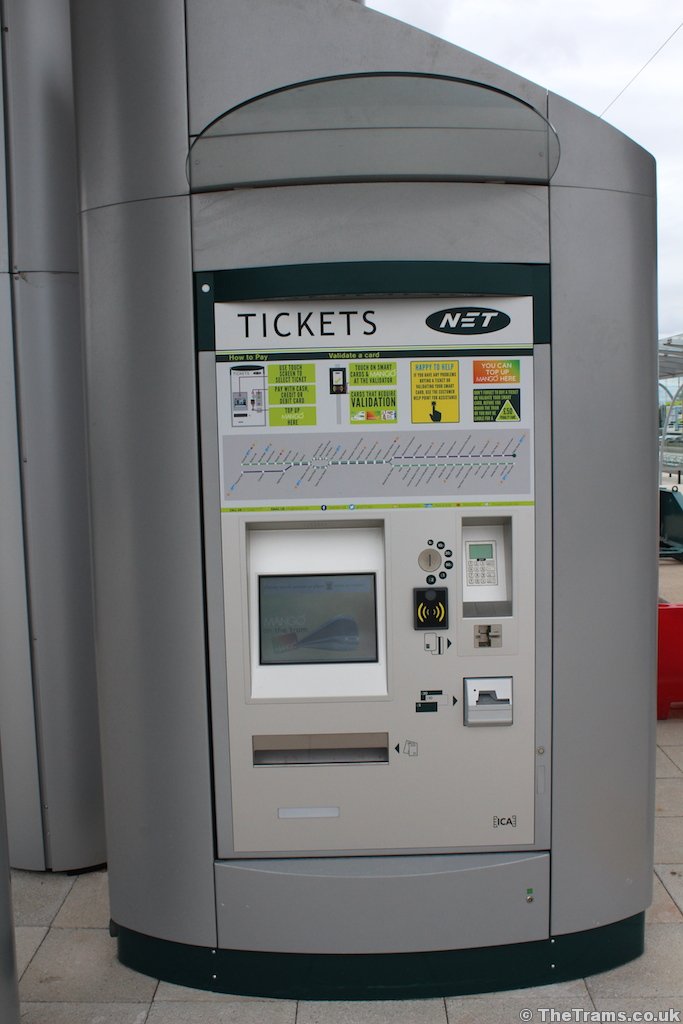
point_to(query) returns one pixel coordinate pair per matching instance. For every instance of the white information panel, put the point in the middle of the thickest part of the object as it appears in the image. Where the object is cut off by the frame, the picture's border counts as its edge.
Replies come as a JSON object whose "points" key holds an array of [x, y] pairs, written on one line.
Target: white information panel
{"points": [[369, 405], [365, 324]]}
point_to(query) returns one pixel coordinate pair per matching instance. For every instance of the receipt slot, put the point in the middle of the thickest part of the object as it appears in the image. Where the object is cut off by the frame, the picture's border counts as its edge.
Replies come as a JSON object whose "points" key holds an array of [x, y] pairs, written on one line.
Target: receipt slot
{"points": [[360, 332]]}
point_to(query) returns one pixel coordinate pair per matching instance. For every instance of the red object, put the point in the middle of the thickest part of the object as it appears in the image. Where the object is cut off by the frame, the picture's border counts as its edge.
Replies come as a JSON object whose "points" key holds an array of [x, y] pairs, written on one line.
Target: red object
{"points": [[669, 658]]}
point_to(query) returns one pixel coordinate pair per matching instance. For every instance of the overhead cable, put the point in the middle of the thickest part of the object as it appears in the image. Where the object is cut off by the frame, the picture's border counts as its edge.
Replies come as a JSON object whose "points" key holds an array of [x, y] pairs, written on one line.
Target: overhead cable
{"points": [[649, 61]]}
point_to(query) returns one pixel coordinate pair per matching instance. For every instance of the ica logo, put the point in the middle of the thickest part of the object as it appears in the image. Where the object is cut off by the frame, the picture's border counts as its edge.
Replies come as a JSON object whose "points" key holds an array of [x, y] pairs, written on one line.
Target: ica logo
{"points": [[504, 820]]}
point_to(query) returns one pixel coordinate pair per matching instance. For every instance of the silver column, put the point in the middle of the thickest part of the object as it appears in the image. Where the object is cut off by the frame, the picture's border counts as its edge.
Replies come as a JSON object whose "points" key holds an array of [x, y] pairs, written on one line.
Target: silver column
{"points": [[48, 709]]}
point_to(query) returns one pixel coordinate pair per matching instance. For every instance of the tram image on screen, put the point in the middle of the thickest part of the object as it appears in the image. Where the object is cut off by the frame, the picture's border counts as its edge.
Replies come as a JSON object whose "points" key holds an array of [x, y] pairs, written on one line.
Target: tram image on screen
{"points": [[321, 619]]}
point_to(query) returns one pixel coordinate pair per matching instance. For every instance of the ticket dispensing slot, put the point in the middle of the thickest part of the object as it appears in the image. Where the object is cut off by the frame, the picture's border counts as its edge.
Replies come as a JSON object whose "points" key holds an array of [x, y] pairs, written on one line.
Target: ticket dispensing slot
{"points": [[322, 748], [487, 572]]}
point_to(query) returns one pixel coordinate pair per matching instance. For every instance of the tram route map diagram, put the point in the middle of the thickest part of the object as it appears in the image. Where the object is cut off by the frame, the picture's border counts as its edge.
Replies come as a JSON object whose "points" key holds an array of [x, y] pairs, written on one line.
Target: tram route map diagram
{"points": [[442, 464]]}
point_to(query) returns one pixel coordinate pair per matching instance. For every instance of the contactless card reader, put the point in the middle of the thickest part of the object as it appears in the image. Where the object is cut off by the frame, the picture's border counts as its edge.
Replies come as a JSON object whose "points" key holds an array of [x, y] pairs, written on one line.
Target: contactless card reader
{"points": [[430, 608]]}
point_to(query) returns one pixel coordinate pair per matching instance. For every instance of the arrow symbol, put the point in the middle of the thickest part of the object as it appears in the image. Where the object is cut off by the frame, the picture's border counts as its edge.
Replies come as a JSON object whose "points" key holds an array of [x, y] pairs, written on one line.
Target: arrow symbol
{"points": [[449, 643], [455, 701], [397, 748]]}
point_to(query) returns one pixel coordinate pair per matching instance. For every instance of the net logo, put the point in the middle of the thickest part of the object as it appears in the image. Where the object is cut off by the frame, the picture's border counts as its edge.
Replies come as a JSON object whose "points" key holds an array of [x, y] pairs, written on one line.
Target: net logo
{"points": [[468, 320]]}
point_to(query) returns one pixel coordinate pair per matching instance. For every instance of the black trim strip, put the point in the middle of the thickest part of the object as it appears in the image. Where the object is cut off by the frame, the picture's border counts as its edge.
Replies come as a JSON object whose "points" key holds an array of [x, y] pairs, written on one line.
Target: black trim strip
{"points": [[205, 332], [385, 975]]}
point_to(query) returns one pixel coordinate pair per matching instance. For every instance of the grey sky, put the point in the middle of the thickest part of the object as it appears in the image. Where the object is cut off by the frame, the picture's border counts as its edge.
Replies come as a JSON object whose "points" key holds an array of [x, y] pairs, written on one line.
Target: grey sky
{"points": [[587, 50]]}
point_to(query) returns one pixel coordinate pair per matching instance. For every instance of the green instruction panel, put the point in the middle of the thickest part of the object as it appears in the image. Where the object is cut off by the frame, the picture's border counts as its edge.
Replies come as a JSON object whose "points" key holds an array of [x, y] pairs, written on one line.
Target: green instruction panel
{"points": [[291, 395]]}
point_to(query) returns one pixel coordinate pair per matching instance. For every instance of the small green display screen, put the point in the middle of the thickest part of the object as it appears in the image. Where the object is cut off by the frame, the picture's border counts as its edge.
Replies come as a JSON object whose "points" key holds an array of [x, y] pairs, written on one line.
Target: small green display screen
{"points": [[481, 551]]}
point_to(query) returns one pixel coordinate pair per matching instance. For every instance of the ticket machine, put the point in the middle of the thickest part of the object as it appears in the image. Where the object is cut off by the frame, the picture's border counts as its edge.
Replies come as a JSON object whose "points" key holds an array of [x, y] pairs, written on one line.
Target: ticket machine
{"points": [[377, 696], [376, 474]]}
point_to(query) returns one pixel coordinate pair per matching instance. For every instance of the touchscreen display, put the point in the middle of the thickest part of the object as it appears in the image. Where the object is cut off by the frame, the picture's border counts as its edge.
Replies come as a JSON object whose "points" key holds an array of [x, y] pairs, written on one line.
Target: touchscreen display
{"points": [[321, 619]]}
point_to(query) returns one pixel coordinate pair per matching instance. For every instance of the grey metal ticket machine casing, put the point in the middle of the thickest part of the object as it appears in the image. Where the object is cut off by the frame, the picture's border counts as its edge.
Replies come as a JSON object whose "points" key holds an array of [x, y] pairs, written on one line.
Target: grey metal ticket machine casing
{"points": [[48, 699], [376, 693]]}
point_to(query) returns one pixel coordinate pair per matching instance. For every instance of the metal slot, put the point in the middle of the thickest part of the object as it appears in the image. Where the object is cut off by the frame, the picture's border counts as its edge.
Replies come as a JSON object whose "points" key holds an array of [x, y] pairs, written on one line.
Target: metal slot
{"points": [[322, 748]]}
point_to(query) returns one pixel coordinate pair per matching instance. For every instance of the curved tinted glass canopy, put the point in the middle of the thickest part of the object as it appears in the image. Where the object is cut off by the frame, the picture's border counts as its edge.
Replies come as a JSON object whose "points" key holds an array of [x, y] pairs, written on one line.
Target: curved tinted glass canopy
{"points": [[380, 127]]}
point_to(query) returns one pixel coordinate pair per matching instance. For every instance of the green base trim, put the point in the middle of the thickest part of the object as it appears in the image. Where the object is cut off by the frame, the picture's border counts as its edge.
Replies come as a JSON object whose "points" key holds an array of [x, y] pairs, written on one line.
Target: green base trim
{"points": [[385, 975]]}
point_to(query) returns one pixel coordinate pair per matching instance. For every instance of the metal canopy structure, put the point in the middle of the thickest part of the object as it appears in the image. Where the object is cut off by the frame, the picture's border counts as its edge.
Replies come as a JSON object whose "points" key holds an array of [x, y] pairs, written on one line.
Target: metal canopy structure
{"points": [[671, 356], [670, 440]]}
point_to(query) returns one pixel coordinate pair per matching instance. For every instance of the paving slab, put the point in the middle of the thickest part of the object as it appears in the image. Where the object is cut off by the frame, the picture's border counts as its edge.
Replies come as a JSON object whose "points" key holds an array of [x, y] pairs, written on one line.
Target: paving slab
{"points": [[409, 1011], [79, 965], [663, 908], [38, 895], [670, 731], [653, 1005], [657, 974], [666, 766], [27, 939], [675, 754], [668, 840], [83, 1013], [493, 1009], [671, 876], [669, 798], [223, 1013], [167, 993], [87, 903]]}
